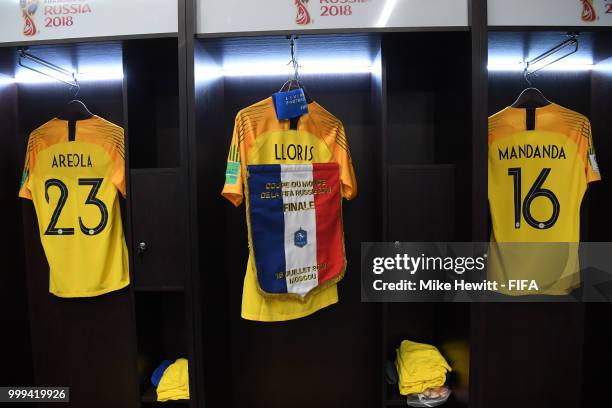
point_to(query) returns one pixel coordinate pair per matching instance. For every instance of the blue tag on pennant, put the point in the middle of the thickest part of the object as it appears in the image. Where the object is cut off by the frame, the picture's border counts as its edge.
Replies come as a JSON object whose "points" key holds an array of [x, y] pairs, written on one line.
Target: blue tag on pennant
{"points": [[290, 104]]}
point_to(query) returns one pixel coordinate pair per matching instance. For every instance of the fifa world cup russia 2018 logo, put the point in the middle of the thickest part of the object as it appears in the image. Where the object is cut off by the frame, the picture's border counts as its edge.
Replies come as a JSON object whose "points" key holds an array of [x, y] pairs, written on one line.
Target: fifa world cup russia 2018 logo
{"points": [[588, 11], [28, 9], [303, 16]]}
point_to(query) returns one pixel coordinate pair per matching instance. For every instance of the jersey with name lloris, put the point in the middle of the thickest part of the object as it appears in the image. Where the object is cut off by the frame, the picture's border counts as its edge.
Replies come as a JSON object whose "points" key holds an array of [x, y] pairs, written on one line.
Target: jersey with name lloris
{"points": [[73, 185], [261, 139], [540, 163]]}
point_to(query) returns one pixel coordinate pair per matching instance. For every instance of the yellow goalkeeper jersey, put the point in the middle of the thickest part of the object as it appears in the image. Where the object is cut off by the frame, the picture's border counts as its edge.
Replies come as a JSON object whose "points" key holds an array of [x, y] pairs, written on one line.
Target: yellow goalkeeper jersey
{"points": [[73, 185], [540, 163], [260, 138]]}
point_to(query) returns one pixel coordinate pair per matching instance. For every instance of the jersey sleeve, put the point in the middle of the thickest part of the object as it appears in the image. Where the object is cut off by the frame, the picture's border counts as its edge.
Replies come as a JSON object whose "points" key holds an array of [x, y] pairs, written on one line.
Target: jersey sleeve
{"points": [[233, 189], [24, 187], [591, 167], [343, 158], [118, 157]]}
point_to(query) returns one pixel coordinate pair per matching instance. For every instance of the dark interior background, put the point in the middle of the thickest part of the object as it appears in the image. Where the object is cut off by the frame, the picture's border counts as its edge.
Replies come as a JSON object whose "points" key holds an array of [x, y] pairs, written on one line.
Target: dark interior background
{"points": [[13, 294], [409, 126]]}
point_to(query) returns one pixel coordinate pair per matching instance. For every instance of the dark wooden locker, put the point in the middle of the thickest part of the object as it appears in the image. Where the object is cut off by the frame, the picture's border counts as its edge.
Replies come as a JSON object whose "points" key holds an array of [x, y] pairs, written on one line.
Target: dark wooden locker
{"points": [[421, 203], [531, 355], [158, 229]]}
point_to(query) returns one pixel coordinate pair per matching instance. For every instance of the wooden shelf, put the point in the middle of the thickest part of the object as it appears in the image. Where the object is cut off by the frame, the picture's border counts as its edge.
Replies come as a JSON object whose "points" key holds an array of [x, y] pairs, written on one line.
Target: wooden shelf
{"points": [[150, 395]]}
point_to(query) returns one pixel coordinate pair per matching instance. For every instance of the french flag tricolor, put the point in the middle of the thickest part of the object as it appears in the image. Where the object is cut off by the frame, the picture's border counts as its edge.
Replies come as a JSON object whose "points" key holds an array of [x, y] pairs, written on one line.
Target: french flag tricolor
{"points": [[295, 226]]}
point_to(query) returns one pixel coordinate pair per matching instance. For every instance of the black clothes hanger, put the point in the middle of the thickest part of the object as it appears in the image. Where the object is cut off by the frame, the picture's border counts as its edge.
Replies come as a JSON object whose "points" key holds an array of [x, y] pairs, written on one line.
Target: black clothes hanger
{"points": [[531, 98], [75, 109]]}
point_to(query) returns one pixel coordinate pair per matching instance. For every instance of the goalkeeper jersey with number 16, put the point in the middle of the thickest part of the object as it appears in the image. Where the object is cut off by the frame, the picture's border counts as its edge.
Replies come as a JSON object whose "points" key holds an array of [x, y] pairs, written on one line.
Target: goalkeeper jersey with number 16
{"points": [[540, 163]]}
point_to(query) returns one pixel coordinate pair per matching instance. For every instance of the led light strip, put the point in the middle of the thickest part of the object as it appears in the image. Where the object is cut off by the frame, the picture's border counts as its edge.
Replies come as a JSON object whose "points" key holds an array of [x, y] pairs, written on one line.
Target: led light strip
{"points": [[5, 80], [519, 67], [509, 64], [263, 70], [90, 74], [270, 69], [280, 69]]}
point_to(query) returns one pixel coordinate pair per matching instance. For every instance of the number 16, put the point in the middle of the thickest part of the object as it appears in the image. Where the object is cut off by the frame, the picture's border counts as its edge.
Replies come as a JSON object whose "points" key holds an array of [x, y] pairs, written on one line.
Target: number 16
{"points": [[535, 192]]}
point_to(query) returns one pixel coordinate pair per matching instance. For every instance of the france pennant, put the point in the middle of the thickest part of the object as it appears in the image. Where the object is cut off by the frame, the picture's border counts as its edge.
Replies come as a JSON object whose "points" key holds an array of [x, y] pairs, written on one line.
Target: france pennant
{"points": [[295, 226]]}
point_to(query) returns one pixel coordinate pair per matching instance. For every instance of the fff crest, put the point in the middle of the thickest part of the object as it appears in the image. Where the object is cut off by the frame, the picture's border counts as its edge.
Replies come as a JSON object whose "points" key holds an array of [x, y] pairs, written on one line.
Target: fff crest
{"points": [[300, 238]]}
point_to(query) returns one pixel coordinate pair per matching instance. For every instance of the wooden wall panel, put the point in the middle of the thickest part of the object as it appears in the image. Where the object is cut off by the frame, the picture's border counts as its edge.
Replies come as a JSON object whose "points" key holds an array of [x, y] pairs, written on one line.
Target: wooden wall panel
{"points": [[14, 316]]}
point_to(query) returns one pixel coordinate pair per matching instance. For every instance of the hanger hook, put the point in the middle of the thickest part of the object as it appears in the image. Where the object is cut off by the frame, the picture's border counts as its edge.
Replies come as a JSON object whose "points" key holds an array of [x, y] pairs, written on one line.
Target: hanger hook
{"points": [[77, 88], [526, 74], [76, 85], [294, 62]]}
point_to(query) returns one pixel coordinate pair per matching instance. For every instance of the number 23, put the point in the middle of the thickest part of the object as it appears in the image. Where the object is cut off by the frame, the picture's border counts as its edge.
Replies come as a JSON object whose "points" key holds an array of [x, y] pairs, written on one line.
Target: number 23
{"points": [[95, 184]]}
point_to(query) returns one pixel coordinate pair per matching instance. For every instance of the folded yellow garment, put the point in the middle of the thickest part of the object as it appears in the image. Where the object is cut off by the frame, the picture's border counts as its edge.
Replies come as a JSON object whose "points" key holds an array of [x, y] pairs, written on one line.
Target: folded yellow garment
{"points": [[174, 384], [419, 367]]}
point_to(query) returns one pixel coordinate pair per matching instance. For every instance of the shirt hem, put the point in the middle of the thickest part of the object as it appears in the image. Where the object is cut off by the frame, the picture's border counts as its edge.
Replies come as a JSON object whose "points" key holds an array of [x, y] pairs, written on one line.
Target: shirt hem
{"points": [[282, 318], [92, 294]]}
